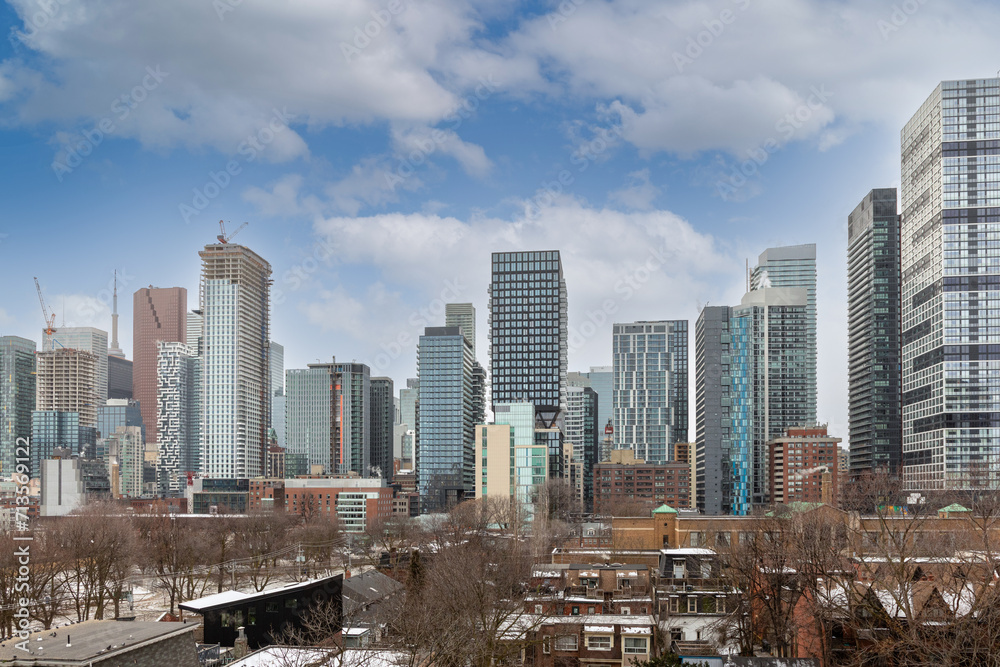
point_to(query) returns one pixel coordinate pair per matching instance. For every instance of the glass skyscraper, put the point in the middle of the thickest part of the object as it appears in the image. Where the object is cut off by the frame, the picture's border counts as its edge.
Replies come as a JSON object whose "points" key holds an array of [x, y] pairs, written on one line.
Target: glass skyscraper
{"points": [[17, 396], [794, 266], [650, 387], [463, 316], [382, 412], [873, 279], [528, 331], [950, 226], [446, 464]]}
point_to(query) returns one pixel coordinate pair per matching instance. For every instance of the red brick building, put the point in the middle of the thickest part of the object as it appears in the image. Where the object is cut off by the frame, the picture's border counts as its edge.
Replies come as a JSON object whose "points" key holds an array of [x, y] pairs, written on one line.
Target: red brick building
{"points": [[627, 479], [158, 313], [803, 466]]}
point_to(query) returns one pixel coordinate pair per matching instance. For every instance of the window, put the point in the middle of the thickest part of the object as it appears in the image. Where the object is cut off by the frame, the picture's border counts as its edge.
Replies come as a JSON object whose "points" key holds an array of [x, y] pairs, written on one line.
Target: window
{"points": [[626, 611], [635, 644], [538, 609], [546, 644], [576, 610], [599, 643], [590, 610], [675, 605], [692, 605], [566, 643], [695, 538]]}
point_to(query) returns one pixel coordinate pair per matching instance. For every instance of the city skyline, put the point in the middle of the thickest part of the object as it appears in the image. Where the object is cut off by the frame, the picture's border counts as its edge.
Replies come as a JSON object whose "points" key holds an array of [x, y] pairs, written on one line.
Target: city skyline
{"points": [[349, 261]]}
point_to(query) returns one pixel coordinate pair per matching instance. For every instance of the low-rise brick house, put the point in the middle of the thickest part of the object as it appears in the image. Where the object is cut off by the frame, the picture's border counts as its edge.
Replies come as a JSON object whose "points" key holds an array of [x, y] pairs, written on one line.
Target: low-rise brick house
{"points": [[580, 590], [600, 640]]}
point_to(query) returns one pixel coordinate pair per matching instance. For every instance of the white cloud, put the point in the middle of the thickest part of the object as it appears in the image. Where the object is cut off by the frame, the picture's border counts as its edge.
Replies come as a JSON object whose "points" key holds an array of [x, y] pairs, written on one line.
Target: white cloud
{"points": [[619, 267], [638, 194]]}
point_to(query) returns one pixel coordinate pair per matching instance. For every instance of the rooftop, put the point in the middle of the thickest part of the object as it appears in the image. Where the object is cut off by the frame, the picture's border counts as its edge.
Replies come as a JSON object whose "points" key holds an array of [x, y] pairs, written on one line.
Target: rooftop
{"points": [[227, 598], [91, 640]]}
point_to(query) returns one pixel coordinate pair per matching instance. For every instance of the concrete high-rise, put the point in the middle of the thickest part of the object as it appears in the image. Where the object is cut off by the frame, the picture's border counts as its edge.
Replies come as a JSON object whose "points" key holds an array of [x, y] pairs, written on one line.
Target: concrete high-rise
{"points": [[235, 301], [158, 314], [463, 316], [66, 381], [446, 465], [86, 339], [950, 203], [650, 387], [382, 412], [581, 431], [873, 325], [528, 332], [17, 396], [601, 380]]}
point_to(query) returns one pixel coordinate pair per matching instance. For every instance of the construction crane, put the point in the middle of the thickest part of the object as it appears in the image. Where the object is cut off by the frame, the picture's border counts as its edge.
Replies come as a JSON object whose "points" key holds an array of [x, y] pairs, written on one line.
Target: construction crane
{"points": [[225, 238], [50, 319]]}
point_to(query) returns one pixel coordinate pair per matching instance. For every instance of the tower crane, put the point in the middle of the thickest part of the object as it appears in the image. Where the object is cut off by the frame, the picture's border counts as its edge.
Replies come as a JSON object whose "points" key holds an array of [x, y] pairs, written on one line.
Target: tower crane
{"points": [[225, 238], [50, 319]]}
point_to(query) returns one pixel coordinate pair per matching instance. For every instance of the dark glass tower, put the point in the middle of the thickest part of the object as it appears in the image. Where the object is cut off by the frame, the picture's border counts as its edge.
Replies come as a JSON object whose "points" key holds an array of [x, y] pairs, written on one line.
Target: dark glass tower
{"points": [[873, 279], [382, 417], [528, 332]]}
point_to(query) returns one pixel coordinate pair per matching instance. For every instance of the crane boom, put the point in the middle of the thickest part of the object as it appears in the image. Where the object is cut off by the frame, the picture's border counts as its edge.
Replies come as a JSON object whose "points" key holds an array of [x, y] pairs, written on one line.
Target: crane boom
{"points": [[50, 320]]}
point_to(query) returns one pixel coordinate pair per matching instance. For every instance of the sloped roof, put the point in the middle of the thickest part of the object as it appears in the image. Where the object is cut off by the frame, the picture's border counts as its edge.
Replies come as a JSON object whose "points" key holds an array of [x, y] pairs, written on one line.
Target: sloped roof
{"points": [[664, 509], [954, 507]]}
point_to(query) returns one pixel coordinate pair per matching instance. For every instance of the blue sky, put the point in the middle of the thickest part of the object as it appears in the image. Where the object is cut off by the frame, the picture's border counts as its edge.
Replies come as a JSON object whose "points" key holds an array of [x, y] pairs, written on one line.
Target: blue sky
{"points": [[379, 171]]}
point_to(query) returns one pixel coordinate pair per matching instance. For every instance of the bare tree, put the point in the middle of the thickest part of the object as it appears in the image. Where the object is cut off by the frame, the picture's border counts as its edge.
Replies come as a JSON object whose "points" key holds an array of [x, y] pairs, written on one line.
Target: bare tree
{"points": [[257, 537]]}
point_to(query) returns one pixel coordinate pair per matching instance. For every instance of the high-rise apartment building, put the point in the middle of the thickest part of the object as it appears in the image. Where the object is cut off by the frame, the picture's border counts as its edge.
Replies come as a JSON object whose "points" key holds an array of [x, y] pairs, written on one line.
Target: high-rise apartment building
{"points": [[382, 412], [328, 416], [793, 266], [582, 433], [86, 339], [650, 387], [463, 316], [528, 331], [719, 469], [158, 314], [950, 264], [873, 325], [177, 415], [17, 396], [235, 303], [753, 380], [408, 401], [445, 456]]}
